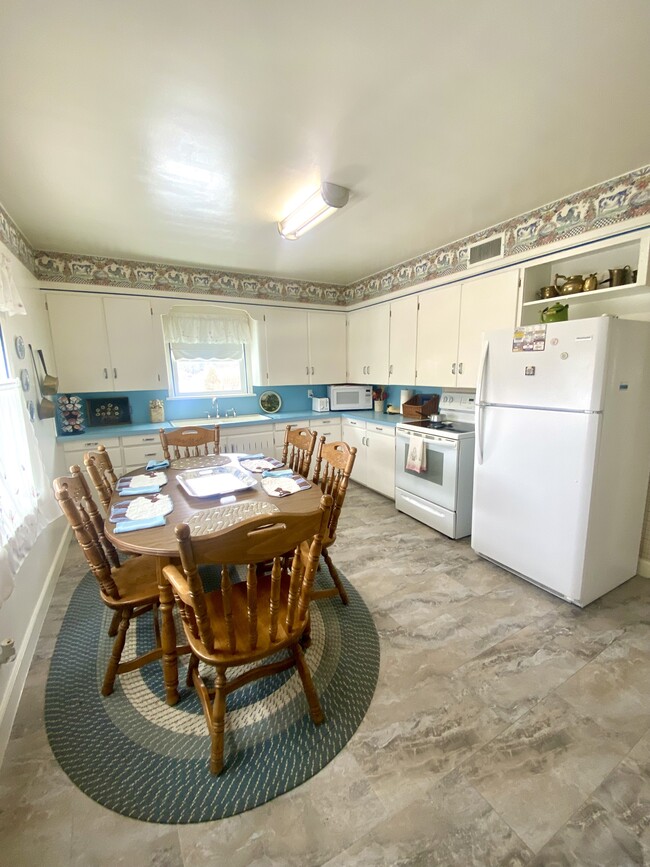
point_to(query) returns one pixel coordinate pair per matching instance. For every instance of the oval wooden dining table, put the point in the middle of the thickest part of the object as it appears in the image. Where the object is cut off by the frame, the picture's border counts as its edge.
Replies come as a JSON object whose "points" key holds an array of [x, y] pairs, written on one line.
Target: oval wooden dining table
{"points": [[160, 542]]}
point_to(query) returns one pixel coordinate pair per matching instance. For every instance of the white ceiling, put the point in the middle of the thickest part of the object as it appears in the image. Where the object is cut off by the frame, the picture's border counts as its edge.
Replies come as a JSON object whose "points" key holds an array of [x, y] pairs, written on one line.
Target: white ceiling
{"points": [[181, 132]]}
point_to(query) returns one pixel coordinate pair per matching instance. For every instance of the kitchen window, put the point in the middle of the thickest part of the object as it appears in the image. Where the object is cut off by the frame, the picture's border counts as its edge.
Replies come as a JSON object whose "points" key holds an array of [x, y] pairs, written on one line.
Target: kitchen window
{"points": [[208, 352]]}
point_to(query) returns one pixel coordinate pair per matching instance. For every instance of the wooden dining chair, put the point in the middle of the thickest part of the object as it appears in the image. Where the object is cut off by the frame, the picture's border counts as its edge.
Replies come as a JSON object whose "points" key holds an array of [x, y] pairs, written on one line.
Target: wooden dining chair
{"points": [[189, 442], [299, 444], [102, 475], [129, 589], [247, 622], [334, 462]]}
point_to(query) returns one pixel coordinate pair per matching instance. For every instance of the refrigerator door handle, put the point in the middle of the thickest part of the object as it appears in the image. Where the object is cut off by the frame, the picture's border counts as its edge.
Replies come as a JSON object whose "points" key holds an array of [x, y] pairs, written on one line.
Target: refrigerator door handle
{"points": [[479, 403]]}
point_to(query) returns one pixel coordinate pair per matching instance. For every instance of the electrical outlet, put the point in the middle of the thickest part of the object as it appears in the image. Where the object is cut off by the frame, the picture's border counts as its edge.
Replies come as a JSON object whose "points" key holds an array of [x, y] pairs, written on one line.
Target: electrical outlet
{"points": [[310, 393]]}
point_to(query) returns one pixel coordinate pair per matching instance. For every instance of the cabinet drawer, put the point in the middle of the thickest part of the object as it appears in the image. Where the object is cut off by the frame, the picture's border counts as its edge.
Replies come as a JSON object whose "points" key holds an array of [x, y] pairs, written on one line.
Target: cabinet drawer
{"points": [[138, 456], [354, 422], [387, 430], [141, 440], [90, 444]]}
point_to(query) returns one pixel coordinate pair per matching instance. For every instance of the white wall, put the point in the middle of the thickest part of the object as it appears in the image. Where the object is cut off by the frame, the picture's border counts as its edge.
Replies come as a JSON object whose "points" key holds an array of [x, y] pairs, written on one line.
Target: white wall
{"points": [[22, 614]]}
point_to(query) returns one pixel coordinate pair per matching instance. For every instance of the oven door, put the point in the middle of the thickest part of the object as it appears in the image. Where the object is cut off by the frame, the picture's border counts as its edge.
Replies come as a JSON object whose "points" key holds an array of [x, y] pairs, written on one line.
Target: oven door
{"points": [[438, 483]]}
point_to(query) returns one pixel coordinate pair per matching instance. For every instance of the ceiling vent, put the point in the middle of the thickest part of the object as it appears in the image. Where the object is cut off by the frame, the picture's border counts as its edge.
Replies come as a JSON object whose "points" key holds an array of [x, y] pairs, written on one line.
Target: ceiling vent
{"points": [[486, 250]]}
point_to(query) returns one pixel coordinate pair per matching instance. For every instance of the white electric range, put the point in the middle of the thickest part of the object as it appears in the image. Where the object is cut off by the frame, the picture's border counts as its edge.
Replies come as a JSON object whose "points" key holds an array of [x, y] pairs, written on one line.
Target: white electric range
{"points": [[440, 493]]}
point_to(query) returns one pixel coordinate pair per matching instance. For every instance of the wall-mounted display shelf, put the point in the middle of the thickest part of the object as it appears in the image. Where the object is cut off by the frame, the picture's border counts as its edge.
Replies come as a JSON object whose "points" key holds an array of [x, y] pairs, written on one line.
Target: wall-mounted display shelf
{"points": [[624, 300]]}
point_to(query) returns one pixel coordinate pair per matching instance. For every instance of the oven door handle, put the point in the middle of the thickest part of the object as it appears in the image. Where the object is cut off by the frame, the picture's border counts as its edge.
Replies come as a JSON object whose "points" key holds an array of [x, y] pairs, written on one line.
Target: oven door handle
{"points": [[479, 403], [436, 444]]}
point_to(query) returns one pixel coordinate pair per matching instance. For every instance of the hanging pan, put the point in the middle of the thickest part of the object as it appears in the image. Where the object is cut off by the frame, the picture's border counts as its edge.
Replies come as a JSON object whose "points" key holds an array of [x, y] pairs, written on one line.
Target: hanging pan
{"points": [[45, 408], [49, 384]]}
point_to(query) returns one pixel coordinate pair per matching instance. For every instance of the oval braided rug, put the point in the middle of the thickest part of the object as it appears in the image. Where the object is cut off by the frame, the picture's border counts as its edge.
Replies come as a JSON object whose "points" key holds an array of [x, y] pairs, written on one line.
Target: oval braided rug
{"points": [[134, 754]]}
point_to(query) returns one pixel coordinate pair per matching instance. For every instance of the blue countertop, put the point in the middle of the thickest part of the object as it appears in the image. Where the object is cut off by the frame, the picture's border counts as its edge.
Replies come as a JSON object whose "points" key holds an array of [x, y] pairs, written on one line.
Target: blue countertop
{"points": [[127, 430]]}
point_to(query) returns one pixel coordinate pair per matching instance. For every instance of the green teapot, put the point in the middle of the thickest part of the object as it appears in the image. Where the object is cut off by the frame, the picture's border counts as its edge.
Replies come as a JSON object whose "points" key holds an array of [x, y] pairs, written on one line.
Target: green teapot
{"points": [[555, 313]]}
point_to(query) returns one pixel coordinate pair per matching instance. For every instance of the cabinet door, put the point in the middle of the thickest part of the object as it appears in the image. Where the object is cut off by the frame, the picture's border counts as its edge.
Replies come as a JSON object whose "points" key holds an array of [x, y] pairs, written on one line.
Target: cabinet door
{"points": [[287, 346], [83, 360], [129, 323], [354, 434], [327, 347], [380, 461], [368, 336], [402, 344], [249, 440], [437, 345], [377, 341], [487, 303], [357, 351]]}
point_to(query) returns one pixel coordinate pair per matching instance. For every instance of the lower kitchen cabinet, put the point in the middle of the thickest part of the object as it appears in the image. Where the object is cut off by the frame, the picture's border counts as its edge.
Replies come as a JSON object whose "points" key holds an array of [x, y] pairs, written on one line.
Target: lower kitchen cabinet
{"points": [[137, 451], [251, 440], [74, 451], [374, 465]]}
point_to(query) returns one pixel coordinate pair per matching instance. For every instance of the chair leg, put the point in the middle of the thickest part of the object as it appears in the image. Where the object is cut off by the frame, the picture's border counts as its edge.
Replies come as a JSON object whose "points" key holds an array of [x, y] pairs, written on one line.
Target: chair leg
{"points": [[335, 576], [156, 624], [218, 722], [116, 653], [115, 622], [192, 666], [315, 710]]}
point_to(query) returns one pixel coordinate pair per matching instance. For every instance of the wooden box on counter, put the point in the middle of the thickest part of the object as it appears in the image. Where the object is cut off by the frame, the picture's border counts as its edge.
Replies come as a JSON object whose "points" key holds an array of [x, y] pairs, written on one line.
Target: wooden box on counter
{"points": [[421, 405]]}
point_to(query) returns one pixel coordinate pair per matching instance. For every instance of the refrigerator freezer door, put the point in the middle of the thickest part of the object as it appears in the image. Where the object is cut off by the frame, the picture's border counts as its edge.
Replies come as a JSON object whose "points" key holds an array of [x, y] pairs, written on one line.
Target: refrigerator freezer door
{"points": [[567, 373], [532, 494]]}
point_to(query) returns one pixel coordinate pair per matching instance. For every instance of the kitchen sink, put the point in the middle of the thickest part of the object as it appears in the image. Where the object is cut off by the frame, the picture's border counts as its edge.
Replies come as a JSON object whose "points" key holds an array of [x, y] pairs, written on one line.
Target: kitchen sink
{"points": [[204, 422]]}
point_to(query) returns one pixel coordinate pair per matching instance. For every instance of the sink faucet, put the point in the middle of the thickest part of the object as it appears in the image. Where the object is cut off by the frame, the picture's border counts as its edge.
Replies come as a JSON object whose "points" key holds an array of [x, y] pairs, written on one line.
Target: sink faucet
{"points": [[232, 411], [215, 407]]}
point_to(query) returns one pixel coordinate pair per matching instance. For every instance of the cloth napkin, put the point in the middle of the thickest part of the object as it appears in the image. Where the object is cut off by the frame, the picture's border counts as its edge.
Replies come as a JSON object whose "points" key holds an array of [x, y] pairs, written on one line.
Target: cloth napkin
{"points": [[141, 524], [416, 459], [145, 489], [274, 474], [157, 465]]}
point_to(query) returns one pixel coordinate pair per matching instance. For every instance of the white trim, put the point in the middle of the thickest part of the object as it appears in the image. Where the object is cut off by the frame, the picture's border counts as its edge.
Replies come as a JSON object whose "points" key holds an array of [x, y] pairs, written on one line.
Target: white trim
{"points": [[23, 660]]}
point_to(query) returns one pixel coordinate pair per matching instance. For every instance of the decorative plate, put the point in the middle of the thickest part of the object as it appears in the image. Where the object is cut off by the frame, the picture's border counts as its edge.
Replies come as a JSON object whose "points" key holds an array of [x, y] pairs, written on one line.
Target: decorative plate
{"points": [[270, 401], [24, 379], [31, 409], [19, 345]]}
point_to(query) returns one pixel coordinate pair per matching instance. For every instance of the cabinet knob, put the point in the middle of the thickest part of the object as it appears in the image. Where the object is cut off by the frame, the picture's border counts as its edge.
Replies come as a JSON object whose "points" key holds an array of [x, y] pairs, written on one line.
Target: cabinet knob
{"points": [[460, 367], [453, 367], [390, 370], [115, 373], [307, 370], [312, 370], [105, 373]]}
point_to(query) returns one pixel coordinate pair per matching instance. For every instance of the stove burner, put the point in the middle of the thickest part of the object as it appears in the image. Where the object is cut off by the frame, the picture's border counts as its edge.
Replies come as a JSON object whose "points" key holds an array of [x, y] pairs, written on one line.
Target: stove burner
{"points": [[440, 425]]}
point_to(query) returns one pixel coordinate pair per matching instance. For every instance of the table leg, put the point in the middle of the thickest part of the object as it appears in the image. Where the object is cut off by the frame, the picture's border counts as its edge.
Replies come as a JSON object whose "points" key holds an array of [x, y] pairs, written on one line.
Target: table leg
{"points": [[168, 637]]}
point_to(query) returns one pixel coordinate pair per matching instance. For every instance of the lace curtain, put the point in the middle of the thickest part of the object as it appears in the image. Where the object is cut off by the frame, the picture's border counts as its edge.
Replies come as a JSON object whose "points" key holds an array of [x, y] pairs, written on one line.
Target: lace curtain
{"points": [[187, 327], [27, 504], [9, 298]]}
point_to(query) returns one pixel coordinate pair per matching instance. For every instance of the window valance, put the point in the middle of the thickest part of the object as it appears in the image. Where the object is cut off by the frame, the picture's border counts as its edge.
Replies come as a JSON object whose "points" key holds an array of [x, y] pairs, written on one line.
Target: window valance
{"points": [[186, 327]]}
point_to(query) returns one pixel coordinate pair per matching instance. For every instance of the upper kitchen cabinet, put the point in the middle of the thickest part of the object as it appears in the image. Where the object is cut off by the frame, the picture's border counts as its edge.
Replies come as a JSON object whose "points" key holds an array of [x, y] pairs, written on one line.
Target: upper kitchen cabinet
{"points": [[619, 273], [402, 344], [304, 347], [451, 321], [103, 343], [327, 355], [368, 340]]}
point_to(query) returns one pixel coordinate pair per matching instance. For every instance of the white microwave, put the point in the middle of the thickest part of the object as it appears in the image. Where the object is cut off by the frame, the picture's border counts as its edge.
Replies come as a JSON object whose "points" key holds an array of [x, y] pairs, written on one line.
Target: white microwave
{"points": [[349, 397]]}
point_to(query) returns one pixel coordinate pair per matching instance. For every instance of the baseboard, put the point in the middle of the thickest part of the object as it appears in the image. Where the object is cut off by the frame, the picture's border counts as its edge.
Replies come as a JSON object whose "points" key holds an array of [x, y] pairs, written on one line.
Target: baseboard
{"points": [[23, 660], [643, 568]]}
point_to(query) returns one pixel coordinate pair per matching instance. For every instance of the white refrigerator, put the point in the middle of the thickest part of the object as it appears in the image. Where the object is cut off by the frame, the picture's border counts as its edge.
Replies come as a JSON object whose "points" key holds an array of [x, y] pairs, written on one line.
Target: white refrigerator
{"points": [[563, 453]]}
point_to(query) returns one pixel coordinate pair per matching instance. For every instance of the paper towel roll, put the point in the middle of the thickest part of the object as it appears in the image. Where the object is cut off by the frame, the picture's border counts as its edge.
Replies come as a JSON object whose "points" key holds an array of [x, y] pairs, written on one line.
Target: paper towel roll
{"points": [[404, 395]]}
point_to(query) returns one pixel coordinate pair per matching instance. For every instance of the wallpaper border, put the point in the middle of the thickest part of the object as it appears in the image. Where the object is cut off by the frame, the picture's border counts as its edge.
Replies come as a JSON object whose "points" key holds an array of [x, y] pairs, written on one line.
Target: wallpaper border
{"points": [[605, 204]]}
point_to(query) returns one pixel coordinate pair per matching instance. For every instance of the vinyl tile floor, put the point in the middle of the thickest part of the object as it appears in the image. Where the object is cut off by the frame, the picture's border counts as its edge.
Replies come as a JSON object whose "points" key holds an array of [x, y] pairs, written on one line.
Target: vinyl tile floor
{"points": [[507, 728]]}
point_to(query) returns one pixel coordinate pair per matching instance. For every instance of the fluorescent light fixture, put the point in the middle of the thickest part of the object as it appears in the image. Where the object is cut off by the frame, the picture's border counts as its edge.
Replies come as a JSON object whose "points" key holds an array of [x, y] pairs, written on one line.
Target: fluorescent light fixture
{"points": [[313, 211]]}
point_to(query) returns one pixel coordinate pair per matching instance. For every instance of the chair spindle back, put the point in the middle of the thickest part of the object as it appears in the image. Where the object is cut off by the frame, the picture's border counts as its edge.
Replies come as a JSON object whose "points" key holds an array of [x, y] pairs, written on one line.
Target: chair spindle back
{"points": [[299, 444], [189, 442]]}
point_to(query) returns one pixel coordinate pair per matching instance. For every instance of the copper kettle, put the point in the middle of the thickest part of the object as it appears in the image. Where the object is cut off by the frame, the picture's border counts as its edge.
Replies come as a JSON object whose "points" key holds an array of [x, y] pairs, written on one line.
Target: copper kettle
{"points": [[571, 285]]}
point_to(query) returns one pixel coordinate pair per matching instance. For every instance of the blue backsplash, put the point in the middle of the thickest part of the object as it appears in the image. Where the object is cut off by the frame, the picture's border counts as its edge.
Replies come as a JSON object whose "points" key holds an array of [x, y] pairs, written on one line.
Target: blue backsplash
{"points": [[294, 399]]}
